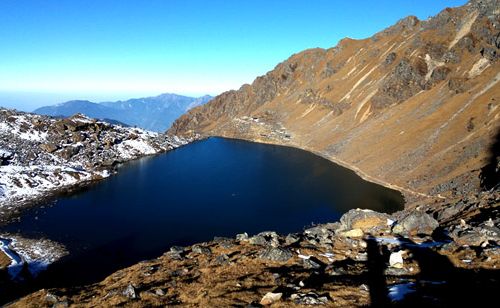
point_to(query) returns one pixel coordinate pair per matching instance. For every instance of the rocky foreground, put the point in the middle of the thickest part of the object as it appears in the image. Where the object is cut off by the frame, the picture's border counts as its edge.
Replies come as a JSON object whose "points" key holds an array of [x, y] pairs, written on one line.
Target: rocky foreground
{"points": [[439, 255]]}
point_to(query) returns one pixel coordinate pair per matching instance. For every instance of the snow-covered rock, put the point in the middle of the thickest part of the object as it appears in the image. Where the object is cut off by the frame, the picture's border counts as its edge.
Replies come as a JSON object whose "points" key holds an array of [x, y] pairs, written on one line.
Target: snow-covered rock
{"points": [[40, 155]]}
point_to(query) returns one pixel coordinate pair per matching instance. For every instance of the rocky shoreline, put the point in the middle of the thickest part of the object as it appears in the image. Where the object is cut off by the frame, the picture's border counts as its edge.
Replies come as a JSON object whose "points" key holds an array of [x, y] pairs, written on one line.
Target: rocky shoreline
{"points": [[439, 255]]}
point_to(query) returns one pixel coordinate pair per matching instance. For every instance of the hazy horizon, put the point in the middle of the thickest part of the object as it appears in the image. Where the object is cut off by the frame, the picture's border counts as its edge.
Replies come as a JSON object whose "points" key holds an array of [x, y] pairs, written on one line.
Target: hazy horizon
{"points": [[29, 101], [55, 51]]}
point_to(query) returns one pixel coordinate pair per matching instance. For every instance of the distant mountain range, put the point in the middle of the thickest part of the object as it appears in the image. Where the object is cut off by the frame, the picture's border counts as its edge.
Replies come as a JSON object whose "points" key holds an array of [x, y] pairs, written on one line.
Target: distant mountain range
{"points": [[152, 113]]}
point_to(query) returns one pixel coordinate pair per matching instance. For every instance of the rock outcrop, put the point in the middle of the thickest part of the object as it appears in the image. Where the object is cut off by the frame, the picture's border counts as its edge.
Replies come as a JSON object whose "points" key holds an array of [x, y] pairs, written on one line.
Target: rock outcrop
{"points": [[414, 107]]}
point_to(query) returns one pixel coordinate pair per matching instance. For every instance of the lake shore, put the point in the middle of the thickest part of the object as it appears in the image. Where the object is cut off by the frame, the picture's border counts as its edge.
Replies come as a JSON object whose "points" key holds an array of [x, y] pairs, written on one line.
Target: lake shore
{"points": [[365, 258]]}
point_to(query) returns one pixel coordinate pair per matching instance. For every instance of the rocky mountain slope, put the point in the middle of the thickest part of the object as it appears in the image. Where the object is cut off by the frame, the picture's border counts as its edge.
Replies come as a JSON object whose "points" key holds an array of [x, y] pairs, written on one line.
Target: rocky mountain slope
{"points": [[152, 113], [40, 155], [414, 107]]}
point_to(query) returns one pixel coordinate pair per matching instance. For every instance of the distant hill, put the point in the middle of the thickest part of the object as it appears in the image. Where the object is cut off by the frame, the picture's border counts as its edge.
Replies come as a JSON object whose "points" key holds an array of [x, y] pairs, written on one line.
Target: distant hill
{"points": [[152, 113]]}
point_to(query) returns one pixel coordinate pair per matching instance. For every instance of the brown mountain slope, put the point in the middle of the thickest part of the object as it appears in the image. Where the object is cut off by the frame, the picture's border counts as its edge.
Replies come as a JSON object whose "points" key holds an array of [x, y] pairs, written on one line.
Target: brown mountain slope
{"points": [[414, 107]]}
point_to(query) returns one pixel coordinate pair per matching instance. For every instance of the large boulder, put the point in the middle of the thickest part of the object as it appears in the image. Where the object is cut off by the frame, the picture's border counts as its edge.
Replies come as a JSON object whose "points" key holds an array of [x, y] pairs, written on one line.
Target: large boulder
{"points": [[366, 220], [413, 223]]}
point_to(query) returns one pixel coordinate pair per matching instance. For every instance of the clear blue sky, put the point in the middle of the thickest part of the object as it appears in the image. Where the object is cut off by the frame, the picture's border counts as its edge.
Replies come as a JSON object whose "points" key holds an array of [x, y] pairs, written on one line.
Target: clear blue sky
{"points": [[54, 50]]}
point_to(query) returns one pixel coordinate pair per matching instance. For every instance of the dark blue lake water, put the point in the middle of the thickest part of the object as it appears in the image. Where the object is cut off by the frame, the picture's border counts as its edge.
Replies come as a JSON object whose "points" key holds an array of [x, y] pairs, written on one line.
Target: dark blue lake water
{"points": [[215, 187]]}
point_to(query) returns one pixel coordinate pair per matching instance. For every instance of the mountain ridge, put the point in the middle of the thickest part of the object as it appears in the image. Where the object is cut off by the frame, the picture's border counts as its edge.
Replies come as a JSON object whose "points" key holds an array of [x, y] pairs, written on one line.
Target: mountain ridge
{"points": [[399, 107], [155, 113]]}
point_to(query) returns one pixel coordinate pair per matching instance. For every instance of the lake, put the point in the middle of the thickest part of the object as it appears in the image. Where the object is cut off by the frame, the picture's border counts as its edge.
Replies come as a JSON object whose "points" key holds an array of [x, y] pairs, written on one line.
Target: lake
{"points": [[214, 187]]}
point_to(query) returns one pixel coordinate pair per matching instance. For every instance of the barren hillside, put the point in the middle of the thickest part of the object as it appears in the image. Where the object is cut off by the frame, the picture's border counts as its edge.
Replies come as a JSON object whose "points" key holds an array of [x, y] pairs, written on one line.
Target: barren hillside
{"points": [[414, 107]]}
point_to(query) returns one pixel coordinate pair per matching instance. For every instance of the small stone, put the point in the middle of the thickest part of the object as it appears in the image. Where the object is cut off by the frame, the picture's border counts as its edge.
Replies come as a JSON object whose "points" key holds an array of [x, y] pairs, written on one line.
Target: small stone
{"points": [[361, 256], [242, 236], [312, 263], [159, 292], [364, 287], [396, 259], [291, 239], [392, 271], [61, 304], [51, 298], [271, 298], [130, 292], [177, 249], [201, 250], [174, 255], [310, 298], [221, 259]]}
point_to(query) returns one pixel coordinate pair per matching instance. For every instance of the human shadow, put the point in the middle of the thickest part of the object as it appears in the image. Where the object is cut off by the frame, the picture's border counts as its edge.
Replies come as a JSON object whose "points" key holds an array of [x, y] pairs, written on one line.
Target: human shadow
{"points": [[490, 173], [440, 283], [376, 279]]}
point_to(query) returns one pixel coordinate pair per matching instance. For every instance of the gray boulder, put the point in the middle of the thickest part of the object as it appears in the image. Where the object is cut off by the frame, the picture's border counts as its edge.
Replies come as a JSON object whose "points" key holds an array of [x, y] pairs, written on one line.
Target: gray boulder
{"points": [[414, 223], [277, 254], [267, 238]]}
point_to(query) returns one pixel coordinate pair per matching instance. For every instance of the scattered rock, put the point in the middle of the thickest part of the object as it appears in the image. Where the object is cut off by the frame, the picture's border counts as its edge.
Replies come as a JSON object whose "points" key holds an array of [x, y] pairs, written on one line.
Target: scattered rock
{"points": [[291, 239], [130, 292], [160, 292], [201, 250], [310, 298], [221, 259], [489, 53], [277, 254], [312, 263], [390, 58], [51, 298], [270, 298], [268, 238], [242, 237]]}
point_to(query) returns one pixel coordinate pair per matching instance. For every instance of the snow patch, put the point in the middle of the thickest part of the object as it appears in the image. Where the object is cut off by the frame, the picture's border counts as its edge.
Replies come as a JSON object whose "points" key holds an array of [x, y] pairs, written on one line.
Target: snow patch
{"points": [[399, 291], [35, 254]]}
